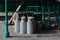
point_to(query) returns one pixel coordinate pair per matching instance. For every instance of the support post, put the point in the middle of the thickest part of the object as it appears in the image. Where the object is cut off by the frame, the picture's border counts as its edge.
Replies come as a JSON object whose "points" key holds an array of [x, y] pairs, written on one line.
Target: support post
{"points": [[6, 33], [55, 11], [48, 4], [37, 12], [49, 16], [43, 17], [58, 15]]}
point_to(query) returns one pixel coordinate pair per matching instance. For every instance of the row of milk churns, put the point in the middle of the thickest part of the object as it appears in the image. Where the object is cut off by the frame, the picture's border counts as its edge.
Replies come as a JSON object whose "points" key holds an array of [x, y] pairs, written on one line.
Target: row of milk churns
{"points": [[24, 26]]}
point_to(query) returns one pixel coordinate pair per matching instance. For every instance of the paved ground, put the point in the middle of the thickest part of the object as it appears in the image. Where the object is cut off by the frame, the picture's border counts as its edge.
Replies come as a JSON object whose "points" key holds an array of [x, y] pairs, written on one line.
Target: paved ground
{"points": [[51, 35]]}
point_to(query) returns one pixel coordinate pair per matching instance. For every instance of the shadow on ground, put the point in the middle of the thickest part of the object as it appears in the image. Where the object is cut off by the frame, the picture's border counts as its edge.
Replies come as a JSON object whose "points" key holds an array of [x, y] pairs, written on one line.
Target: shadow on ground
{"points": [[46, 31]]}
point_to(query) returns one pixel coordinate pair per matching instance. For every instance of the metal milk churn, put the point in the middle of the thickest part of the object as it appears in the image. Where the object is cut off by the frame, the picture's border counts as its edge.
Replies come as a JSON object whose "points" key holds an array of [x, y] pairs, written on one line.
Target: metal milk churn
{"points": [[30, 25], [17, 24], [23, 25]]}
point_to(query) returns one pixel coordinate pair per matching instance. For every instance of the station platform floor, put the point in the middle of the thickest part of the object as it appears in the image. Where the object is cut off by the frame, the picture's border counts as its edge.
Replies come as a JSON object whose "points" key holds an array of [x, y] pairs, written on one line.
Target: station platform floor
{"points": [[44, 35]]}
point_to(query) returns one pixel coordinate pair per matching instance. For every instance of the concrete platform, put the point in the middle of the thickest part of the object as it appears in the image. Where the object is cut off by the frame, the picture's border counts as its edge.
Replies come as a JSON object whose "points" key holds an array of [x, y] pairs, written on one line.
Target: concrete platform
{"points": [[52, 35]]}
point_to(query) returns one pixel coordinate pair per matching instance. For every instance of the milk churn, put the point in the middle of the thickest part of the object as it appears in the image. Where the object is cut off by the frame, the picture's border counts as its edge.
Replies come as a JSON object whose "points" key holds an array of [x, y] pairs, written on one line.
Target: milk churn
{"points": [[17, 24], [30, 25], [23, 25]]}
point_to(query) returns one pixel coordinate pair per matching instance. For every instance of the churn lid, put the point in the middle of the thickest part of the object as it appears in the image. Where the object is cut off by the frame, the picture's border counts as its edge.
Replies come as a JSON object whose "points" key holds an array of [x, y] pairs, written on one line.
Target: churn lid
{"points": [[30, 18], [23, 17]]}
